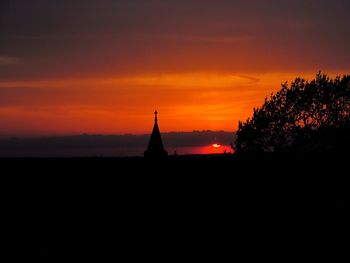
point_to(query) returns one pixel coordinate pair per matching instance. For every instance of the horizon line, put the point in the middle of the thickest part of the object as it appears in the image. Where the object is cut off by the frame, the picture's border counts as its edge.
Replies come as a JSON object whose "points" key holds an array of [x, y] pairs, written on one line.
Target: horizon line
{"points": [[38, 136]]}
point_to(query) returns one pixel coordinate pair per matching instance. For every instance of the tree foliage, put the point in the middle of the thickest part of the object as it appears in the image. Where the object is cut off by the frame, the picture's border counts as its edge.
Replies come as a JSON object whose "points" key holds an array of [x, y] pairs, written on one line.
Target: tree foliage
{"points": [[305, 116]]}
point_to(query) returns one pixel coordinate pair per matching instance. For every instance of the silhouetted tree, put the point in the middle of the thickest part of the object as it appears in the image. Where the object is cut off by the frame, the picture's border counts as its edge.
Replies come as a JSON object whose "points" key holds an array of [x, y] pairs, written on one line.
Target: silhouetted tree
{"points": [[307, 116]]}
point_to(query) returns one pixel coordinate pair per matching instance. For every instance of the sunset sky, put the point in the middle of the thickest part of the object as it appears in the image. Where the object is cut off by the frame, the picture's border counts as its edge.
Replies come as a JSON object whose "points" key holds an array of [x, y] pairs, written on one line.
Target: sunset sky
{"points": [[71, 67]]}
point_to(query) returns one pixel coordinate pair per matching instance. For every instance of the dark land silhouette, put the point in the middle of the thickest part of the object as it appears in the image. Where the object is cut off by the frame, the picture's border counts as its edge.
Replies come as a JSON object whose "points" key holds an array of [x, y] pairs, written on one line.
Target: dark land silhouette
{"points": [[182, 206]]}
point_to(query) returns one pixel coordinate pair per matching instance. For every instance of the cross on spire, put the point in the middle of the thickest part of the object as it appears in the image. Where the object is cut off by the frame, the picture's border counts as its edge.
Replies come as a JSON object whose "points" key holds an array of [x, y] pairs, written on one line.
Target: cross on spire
{"points": [[155, 115]]}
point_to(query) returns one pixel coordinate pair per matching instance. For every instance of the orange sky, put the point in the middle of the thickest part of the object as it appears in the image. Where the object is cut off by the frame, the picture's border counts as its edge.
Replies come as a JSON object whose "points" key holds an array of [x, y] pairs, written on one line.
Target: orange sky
{"points": [[186, 102], [105, 66]]}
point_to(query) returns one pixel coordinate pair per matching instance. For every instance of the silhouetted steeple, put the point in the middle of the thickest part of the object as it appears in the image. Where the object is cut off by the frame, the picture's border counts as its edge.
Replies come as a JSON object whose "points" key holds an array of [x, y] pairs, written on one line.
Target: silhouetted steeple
{"points": [[155, 146]]}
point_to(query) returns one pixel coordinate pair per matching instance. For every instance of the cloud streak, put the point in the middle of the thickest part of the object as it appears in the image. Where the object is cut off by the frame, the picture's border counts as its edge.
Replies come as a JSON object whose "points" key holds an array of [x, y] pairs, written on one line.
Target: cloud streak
{"points": [[7, 61]]}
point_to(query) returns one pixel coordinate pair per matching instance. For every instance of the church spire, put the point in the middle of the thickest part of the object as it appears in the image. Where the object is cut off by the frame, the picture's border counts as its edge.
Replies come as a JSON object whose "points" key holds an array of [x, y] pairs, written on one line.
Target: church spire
{"points": [[155, 146]]}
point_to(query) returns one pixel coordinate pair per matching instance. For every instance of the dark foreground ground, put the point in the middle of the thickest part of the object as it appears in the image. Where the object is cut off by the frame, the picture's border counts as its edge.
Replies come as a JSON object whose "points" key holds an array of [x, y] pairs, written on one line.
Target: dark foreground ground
{"points": [[182, 208]]}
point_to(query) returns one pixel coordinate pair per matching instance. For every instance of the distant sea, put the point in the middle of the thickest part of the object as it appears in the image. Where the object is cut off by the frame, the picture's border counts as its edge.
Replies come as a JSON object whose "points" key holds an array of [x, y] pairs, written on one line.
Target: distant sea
{"points": [[115, 152], [183, 143]]}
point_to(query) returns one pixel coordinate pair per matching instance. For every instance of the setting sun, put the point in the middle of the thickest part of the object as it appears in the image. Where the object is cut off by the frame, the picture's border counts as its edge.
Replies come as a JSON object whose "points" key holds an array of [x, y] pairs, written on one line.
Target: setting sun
{"points": [[215, 145]]}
